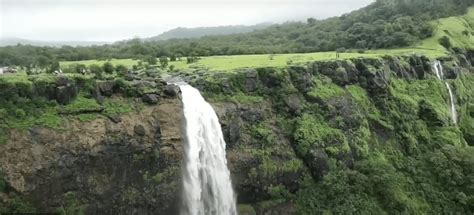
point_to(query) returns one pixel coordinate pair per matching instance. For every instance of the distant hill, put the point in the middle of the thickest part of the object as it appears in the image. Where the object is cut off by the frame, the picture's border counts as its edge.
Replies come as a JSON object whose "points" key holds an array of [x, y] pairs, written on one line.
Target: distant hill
{"points": [[181, 33], [14, 41]]}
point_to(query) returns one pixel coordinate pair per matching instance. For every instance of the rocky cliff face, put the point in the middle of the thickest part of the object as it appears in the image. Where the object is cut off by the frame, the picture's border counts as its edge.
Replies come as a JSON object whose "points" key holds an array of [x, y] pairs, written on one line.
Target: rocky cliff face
{"points": [[348, 136], [126, 167], [296, 135]]}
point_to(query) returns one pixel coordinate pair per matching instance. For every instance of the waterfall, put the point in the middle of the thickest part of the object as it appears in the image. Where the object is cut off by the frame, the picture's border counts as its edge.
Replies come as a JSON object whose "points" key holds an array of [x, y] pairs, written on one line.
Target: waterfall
{"points": [[438, 68], [206, 179], [454, 114]]}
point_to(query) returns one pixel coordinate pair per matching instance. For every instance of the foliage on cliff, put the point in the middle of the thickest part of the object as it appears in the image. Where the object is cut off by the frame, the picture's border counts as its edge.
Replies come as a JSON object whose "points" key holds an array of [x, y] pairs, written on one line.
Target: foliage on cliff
{"points": [[375, 137]]}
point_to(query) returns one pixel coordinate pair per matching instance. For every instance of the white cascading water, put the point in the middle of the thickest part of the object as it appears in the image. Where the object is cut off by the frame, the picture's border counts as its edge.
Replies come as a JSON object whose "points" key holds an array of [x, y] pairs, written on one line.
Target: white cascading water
{"points": [[206, 179], [438, 68]]}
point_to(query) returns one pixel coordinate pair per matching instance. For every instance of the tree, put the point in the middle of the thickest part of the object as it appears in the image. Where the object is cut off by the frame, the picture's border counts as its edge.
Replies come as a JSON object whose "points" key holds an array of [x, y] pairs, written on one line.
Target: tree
{"points": [[311, 21], [151, 60], [164, 61], [54, 66], [173, 58], [108, 67], [192, 59]]}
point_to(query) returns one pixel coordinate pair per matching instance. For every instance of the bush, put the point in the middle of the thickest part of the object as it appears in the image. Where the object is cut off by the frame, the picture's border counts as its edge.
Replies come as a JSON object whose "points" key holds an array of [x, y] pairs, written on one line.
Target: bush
{"points": [[445, 42], [20, 113], [108, 67], [121, 68]]}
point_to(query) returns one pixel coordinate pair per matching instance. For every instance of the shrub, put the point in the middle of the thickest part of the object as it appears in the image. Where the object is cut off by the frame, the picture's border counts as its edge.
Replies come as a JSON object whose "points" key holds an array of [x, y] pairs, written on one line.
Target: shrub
{"points": [[96, 70], [20, 113], [445, 42], [108, 67]]}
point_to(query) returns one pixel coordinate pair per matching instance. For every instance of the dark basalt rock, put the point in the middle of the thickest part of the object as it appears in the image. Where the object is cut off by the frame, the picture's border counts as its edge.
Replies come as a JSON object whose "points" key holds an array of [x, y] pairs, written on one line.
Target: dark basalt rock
{"points": [[251, 115], [451, 72], [232, 133], [318, 161], [150, 99], [340, 72], [105, 88], [114, 118], [65, 94], [139, 130], [302, 79], [62, 80], [172, 91], [251, 81], [293, 103], [375, 79]]}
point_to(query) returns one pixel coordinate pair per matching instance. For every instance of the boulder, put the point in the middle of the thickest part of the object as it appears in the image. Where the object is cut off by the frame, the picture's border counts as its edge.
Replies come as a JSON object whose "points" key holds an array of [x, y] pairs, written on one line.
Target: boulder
{"points": [[293, 103], [251, 115], [114, 118], [451, 72], [232, 133], [139, 130], [251, 81], [62, 80], [106, 88], [302, 79], [340, 72], [172, 90], [318, 162], [64, 94], [150, 99]]}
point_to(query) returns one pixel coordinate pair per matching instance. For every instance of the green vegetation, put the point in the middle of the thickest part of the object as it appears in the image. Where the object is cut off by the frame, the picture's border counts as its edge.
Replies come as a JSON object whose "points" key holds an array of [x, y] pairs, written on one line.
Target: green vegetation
{"points": [[413, 26], [314, 133], [27, 102], [457, 30], [73, 206], [325, 89], [246, 210], [361, 148], [16, 205]]}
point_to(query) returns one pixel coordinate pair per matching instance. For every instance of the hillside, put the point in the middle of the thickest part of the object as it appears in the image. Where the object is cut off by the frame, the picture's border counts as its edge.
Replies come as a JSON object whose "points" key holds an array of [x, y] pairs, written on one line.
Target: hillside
{"points": [[454, 27], [15, 41], [180, 33]]}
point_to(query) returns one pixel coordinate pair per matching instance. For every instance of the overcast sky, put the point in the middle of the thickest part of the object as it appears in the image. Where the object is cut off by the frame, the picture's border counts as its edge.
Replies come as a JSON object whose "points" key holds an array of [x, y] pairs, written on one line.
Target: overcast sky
{"points": [[111, 20]]}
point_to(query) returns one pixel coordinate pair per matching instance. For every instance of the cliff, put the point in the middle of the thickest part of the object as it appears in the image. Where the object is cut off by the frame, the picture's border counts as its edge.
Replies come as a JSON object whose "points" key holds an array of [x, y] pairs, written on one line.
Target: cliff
{"points": [[346, 136]]}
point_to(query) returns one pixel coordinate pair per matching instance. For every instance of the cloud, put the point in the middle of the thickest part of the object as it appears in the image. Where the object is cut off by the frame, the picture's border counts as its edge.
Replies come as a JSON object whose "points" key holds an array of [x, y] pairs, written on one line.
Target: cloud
{"points": [[111, 20]]}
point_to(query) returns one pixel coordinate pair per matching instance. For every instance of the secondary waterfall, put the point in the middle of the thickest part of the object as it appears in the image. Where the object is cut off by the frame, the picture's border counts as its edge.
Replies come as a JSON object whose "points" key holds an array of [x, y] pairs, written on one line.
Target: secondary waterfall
{"points": [[440, 74], [206, 179]]}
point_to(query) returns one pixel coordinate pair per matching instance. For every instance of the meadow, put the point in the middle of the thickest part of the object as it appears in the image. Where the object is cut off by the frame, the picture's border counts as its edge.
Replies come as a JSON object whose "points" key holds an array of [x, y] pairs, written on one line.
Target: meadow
{"points": [[228, 63]]}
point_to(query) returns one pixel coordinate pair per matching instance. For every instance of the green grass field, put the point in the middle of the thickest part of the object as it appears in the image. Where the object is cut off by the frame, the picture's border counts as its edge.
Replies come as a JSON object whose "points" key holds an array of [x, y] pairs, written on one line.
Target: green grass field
{"points": [[452, 27]]}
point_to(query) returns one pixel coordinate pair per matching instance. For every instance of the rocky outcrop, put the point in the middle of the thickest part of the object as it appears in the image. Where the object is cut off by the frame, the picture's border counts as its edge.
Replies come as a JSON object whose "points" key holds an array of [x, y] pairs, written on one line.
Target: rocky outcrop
{"points": [[131, 166]]}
